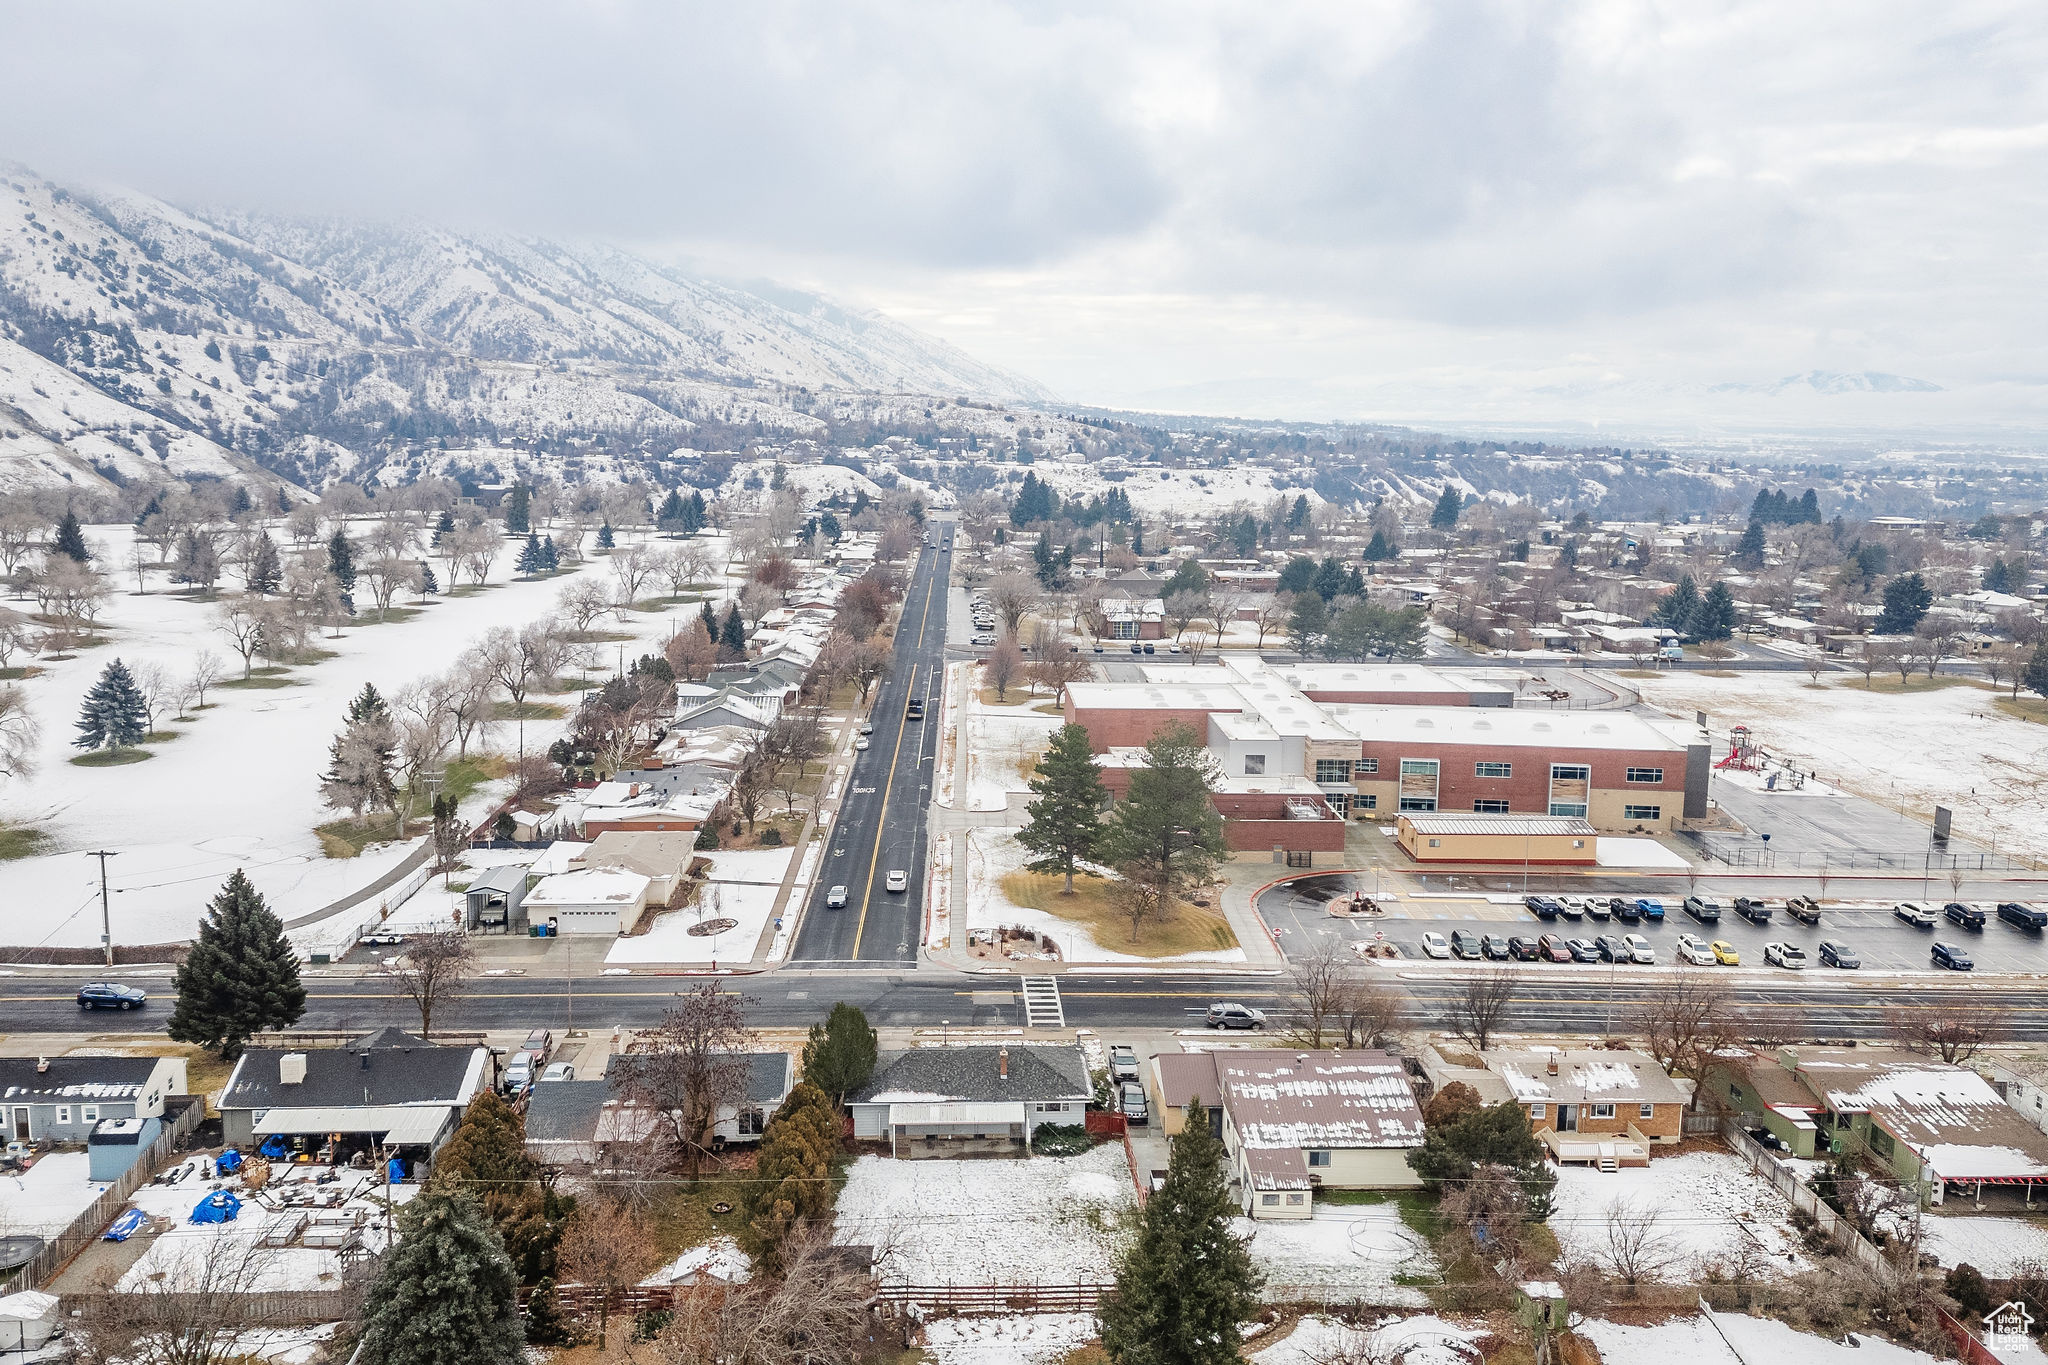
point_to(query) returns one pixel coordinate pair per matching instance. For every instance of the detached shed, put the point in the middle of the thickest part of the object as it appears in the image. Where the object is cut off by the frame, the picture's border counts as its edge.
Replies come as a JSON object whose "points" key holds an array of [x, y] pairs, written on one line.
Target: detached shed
{"points": [[116, 1144], [497, 899]]}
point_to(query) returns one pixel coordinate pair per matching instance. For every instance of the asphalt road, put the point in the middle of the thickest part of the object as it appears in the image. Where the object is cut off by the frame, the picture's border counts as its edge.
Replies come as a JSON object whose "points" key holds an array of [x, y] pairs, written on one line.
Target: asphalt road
{"points": [[881, 824]]}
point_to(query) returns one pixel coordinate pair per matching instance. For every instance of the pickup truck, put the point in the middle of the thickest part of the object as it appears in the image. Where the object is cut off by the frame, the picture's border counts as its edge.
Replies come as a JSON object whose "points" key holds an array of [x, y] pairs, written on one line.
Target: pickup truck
{"points": [[1755, 911]]}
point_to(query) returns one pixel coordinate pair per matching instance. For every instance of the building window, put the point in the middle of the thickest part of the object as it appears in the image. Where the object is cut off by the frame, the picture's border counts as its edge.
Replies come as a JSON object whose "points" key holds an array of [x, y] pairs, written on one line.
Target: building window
{"points": [[1493, 770], [1569, 787], [1536, 1111], [1340, 802], [1436, 843], [1603, 1111], [1318, 1158], [92, 1113], [1646, 774], [63, 1113], [1123, 630], [1296, 1199], [1642, 812], [1271, 1201], [1880, 1142], [1578, 843], [1368, 801], [1333, 770], [1365, 767], [1254, 765], [1646, 1111], [1490, 806], [1418, 783], [752, 1121], [1735, 1093]]}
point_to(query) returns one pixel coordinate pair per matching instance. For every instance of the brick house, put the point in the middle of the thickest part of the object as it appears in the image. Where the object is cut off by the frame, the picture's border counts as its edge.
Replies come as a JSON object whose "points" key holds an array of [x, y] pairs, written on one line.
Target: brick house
{"points": [[1593, 1106]]}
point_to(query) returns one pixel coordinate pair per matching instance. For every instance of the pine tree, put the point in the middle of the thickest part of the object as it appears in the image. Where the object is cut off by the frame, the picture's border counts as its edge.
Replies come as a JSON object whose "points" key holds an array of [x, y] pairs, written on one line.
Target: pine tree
{"points": [[840, 1053], [1297, 574], [429, 584], [2036, 675], [1297, 515], [605, 539], [1997, 577], [732, 636], [70, 539], [486, 1157], [1379, 549], [362, 759], [1186, 1281], [1751, 548], [1066, 820], [114, 715], [792, 1174], [1677, 609], [241, 975], [670, 516], [531, 557], [341, 560], [708, 617], [1166, 833], [1449, 504], [1906, 600], [694, 515], [284, 502], [447, 1293], [368, 704], [1715, 618], [545, 1325], [1809, 508], [444, 525], [518, 509], [550, 557], [1308, 624], [266, 568], [1137, 536], [241, 501]]}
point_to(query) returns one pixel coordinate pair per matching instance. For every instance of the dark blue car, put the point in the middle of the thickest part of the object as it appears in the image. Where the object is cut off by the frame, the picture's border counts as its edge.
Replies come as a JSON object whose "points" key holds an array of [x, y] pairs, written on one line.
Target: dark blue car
{"points": [[108, 995], [1543, 907]]}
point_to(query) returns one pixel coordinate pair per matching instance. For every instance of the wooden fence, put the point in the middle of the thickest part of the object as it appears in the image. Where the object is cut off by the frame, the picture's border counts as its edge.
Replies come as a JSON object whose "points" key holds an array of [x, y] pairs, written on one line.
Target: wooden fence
{"points": [[102, 1211], [1800, 1196], [282, 1308]]}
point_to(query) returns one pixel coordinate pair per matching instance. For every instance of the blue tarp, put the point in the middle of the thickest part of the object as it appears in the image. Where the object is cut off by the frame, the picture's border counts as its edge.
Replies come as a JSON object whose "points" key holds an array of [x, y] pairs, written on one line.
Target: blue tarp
{"points": [[218, 1207], [126, 1226], [396, 1171], [230, 1162], [274, 1147]]}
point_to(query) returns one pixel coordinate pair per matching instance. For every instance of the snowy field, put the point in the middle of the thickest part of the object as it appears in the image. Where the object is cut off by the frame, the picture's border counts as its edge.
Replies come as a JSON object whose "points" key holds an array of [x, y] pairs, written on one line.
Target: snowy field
{"points": [[1003, 742], [43, 1200], [993, 854], [1693, 1341], [239, 787], [1949, 746], [1419, 1340], [1705, 1207], [1044, 1220], [1025, 1339], [1361, 1247], [1997, 1246], [668, 938]]}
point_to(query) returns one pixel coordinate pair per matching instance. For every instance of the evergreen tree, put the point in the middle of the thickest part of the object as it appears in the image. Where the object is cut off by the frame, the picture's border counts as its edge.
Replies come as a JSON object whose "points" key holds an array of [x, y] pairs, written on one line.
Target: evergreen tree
{"points": [[532, 559], [266, 568], [284, 502], [241, 502], [1045, 564], [1244, 536], [545, 1325], [1186, 1282], [341, 560], [150, 508], [1354, 581], [840, 1054], [368, 704], [1809, 508], [1497, 1136], [1308, 623], [113, 715], [1066, 819], [1997, 577], [605, 539], [1166, 833], [486, 1158], [550, 557], [1137, 536], [1677, 608], [694, 515], [428, 583], [241, 975], [1444, 515], [1751, 548], [830, 527], [1380, 549], [732, 636], [708, 617], [1298, 573], [446, 1294], [443, 526], [70, 538], [792, 1175], [1329, 579], [2036, 675], [1715, 618], [1297, 515], [363, 758], [1906, 600], [518, 509], [670, 517], [1188, 577]]}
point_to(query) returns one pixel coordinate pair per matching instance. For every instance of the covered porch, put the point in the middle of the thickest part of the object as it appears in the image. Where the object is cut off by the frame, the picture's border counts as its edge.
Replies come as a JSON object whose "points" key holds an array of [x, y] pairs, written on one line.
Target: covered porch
{"points": [[958, 1128]]}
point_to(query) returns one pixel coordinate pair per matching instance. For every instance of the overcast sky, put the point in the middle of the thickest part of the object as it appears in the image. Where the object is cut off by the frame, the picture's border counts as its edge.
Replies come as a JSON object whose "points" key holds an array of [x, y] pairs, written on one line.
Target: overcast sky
{"points": [[1576, 214]]}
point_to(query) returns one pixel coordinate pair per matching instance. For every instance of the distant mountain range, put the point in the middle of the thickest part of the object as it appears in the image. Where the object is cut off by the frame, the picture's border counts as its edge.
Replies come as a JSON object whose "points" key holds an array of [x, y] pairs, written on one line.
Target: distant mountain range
{"points": [[137, 337]]}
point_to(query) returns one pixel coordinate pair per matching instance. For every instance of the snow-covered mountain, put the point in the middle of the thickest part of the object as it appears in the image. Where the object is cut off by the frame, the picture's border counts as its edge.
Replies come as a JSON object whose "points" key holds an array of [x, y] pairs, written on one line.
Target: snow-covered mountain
{"points": [[134, 334]]}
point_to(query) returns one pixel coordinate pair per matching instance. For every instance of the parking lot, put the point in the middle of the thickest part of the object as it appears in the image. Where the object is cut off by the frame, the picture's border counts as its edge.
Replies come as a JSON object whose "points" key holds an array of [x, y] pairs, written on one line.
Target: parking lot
{"points": [[1297, 912]]}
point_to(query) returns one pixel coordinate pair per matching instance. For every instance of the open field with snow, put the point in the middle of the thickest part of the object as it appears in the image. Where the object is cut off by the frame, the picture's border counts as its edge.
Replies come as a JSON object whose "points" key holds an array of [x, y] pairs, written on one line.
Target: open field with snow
{"points": [[1349, 1246], [1946, 746], [1695, 1341], [1025, 1339], [42, 1201], [239, 786], [1995, 1245], [1045, 1220], [1003, 745], [1702, 1207], [1420, 1340]]}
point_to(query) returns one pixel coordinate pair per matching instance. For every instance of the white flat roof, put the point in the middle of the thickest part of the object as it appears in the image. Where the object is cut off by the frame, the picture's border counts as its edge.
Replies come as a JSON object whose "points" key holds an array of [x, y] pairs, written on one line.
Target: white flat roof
{"points": [[591, 884], [1149, 696], [1503, 728]]}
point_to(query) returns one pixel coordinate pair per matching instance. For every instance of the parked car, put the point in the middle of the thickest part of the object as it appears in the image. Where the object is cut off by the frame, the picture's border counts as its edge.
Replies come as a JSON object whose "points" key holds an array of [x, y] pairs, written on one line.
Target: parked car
{"points": [[984, 639], [1571, 907], [1950, 956], [384, 939], [1968, 916], [1543, 907], [860, 745], [1919, 916], [1639, 950], [1435, 945], [1612, 949], [1235, 1016], [1150, 650], [1131, 1099], [1625, 910], [898, 880], [1705, 909], [1790, 956], [835, 899], [1123, 1062], [2022, 916], [1496, 947], [558, 1071], [110, 995], [1525, 948], [1554, 948], [1650, 908], [1725, 954], [1598, 907], [1137, 648], [1692, 950], [519, 1072], [1465, 945], [1755, 911], [867, 727], [1834, 953], [1805, 909]]}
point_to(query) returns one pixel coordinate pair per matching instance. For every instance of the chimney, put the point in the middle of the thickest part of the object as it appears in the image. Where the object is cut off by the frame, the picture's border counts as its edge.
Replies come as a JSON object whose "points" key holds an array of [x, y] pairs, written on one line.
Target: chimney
{"points": [[291, 1069], [1003, 1063], [1553, 1063], [42, 1065]]}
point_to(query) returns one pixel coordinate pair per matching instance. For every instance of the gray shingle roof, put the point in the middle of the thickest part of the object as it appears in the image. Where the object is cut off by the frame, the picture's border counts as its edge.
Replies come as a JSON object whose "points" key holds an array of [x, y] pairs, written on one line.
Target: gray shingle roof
{"points": [[770, 1075], [565, 1111], [72, 1078], [973, 1073], [389, 1066]]}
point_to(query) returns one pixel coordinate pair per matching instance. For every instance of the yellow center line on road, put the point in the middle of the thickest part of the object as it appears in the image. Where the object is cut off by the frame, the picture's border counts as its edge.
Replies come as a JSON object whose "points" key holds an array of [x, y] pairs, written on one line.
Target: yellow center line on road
{"points": [[889, 787]]}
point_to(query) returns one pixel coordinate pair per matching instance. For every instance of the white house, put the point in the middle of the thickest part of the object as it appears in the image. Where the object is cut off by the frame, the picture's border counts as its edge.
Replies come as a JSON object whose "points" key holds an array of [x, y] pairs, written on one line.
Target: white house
{"points": [[596, 900], [929, 1101]]}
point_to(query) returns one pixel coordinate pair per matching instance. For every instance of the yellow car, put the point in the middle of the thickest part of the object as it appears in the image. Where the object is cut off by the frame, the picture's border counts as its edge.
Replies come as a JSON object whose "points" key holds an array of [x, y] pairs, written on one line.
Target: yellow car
{"points": [[1725, 954]]}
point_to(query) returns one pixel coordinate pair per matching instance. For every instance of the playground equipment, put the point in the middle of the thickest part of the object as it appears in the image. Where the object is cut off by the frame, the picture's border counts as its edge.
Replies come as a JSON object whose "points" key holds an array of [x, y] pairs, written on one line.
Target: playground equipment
{"points": [[1746, 755]]}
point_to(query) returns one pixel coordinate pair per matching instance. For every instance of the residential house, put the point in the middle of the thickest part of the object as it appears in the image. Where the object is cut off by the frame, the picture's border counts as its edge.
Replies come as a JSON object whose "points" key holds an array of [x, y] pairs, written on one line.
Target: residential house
{"points": [[944, 1101], [387, 1088], [1596, 1106], [594, 900], [663, 858], [571, 1123], [62, 1099]]}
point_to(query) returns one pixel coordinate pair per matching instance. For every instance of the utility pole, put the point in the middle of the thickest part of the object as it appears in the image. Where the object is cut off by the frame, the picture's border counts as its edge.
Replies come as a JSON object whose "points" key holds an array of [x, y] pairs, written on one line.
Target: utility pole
{"points": [[106, 916]]}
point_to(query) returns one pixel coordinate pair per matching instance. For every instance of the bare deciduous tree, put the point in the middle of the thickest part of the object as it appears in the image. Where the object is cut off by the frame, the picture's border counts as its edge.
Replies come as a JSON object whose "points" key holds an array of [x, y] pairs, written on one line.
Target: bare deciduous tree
{"points": [[197, 1312], [1954, 1030], [693, 1066], [608, 1247], [434, 967], [18, 734], [1635, 1246], [815, 1313], [1684, 1018], [1002, 665], [206, 671], [1013, 595], [1481, 1006]]}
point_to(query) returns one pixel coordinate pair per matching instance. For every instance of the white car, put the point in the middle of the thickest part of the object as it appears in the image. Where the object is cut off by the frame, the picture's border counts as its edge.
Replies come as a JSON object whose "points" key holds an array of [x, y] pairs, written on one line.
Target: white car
{"points": [[899, 880], [1436, 945], [384, 940], [1788, 955], [1639, 949], [835, 899], [1577, 903], [1919, 916], [558, 1071], [981, 640], [860, 746], [1692, 950]]}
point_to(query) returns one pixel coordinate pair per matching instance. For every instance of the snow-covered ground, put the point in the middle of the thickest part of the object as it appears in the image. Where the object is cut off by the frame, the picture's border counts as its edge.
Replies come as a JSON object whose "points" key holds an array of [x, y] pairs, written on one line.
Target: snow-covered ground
{"points": [[668, 938], [1420, 1340], [1349, 1246], [43, 1200], [718, 1259], [1003, 742], [1948, 746], [1693, 1341], [993, 854], [239, 787], [1614, 851], [1704, 1207], [1044, 1220], [1026, 1339], [1993, 1244]]}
